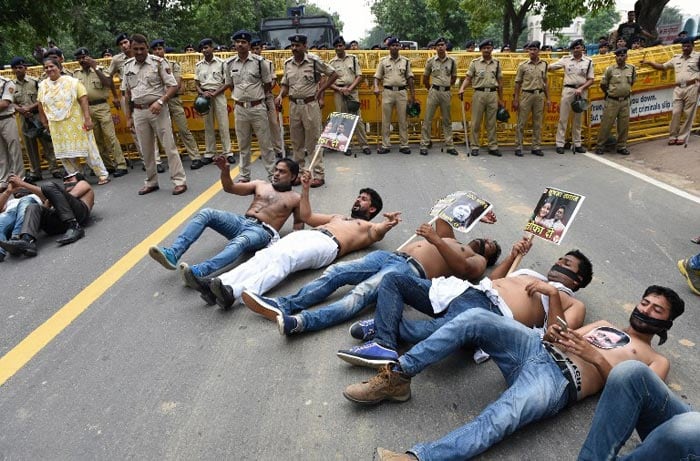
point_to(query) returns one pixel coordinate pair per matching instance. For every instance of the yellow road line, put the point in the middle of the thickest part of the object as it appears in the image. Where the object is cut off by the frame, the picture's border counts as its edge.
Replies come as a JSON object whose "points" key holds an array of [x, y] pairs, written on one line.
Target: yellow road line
{"points": [[23, 352]]}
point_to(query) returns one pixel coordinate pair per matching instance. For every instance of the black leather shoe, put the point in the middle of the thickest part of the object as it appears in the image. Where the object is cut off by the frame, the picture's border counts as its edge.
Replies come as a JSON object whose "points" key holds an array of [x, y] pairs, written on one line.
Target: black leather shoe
{"points": [[160, 168], [495, 153], [560, 150], [231, 159], [201, 284], [223, 293], [119, 172], [599, 152], [452, 151], [367, 151], [196, 164], [383, 150], [518, 153], [537, 152], [475, 152], [580, 150], [405, 150], [423, 152], [348, 152], [73, 234], [623, 151], [19, 247], [206, 160]]}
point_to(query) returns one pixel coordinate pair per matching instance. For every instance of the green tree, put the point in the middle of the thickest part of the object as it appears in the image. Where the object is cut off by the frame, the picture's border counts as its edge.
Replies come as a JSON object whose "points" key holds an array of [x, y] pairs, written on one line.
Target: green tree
{"points": [[599, 24], [408, 19]]}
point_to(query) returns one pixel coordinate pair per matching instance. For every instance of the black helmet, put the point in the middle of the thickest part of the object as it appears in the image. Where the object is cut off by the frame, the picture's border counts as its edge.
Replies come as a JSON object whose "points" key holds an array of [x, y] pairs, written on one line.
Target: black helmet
{"points": [[502, 115], [579, 104], [202, 105], [353, 106], [413, 110]]}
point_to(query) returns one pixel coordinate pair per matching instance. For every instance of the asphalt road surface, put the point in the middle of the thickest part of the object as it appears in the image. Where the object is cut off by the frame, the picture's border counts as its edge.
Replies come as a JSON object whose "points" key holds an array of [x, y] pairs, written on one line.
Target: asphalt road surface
{"points": [[106, 355]]}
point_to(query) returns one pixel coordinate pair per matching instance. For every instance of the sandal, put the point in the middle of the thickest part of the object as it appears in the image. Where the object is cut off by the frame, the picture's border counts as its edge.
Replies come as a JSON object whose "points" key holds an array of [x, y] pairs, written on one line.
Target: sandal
{"points": [[103, 181], [696, 240]]}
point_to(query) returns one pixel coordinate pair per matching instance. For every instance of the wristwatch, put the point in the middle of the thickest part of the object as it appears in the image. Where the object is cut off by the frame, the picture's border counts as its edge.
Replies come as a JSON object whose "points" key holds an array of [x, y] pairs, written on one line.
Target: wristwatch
{"points": [[160, 101]]}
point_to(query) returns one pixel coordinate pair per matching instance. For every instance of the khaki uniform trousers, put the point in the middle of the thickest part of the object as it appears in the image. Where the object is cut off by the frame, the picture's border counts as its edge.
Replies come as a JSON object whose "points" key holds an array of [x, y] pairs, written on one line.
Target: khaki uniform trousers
{"points": [[615, 111], [273, 124], [31, 143], [530, 103], [390, 99], [219, 110], [304, 131], [247, 120], [684, 102], [150, 127], [11, 161], [177, 114], [442, 99], [567, 97], [484, 104], [342, 106], [106, 137]]}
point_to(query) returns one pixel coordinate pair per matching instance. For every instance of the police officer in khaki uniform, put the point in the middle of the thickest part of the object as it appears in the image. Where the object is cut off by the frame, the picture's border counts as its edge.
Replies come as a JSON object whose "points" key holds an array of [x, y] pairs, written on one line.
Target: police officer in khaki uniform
{"points": [[617, 84], [177, 112], [148, 86], [209, 81], [11, 161], [248, 76], [272, 115], [26, 89], [345, 89], [531, 95], [485, 75], [302, 73], [395, 73], [578, 76], [99, 86], [442, 70], [685, 94]]}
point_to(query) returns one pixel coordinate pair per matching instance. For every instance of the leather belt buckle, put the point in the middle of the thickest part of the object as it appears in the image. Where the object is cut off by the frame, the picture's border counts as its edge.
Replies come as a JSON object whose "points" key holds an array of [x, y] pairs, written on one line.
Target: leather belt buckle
{"points": [[299, 101]]}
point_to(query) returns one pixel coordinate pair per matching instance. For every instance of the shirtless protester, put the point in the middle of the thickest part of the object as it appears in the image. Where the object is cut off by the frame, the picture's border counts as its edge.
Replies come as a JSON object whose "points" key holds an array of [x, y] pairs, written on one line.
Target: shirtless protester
{"points": [[333, 236], [525, 295], [272, 205], [543, 377], [439, 254], [65, 210]]}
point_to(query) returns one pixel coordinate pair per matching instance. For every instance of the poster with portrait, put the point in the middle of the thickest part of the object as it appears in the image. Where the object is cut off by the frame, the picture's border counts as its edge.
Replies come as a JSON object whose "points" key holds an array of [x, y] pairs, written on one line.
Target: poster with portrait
{"points": [[462, 210], [553, 214], [338, 131]]}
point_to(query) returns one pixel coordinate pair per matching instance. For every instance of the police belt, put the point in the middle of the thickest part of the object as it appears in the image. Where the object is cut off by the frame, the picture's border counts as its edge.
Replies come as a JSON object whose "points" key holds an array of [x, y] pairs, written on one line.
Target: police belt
{"points": [[143, 106], [533, 91], [440, 88], [3, 117], [413, 262], [96, 102], [615, 98], [687, 83], [565, 365], [302, 100], [487, 90], [247, 104], [395, 88], [571, 86], [329, 234], [261, 223]]}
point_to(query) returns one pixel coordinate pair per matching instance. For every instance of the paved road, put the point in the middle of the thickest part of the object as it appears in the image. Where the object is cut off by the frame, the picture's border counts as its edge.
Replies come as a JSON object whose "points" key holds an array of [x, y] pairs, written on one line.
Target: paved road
{"points": [[148, 371]]}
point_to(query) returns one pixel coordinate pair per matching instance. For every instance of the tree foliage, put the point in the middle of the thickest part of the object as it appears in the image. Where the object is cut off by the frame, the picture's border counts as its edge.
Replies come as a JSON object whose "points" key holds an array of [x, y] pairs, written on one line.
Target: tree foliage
{"points": [[600, 24]]}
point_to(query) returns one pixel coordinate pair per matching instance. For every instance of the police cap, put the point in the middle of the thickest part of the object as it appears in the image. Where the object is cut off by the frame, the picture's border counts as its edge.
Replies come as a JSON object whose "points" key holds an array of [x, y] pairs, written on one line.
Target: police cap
{"points": [[686, 40], [576, 43], [242, 35], [470, 44], [440, 40], [533, 44], [204, 42], [256, 42], [157, 42], [298, 38], [621, 51], [487, 42], [121, 37], [339, 40], [53, 51], [392, 40], [18, 61], [82, 51]]}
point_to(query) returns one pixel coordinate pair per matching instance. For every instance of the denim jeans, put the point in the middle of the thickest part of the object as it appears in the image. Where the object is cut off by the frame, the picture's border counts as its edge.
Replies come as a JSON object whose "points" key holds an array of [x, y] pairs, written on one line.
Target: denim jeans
{"points": [[11, 220], [243, 234], [695, 262], [366, 273], [399, 289], [537, 388], [634, 396]]}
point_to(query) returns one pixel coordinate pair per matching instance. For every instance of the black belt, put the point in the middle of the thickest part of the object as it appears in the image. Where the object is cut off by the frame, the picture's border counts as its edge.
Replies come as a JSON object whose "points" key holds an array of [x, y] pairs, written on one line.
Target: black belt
{"points": [[487, 90], [561, 361], [440, 88], [302, 100], [3, 117], [571, 86], [330, 234], [247, 104], [413, 262], [143, 106], [264, 225], [96, 102], [533, 91], [622, 98], [395, 88]]}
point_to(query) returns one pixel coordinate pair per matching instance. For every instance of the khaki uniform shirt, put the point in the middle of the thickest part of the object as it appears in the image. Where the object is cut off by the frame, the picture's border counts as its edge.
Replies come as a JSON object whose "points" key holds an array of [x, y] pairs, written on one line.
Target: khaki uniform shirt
{"points": [[302, 77], [347, 68], [177, 73], [210, 75], [485, 74], [92, 83], [576, 71], [685, 68], [247, 77], [26, 91], [394, 72], [7, 93], [147, 81], [440, 71], [532, 75], [619, 80], [116, 67]]}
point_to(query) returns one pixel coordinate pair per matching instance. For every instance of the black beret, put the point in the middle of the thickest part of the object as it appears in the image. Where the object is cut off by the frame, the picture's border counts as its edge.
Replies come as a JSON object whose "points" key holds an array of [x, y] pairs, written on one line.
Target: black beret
{"points": [[121, 37], [392, 40], [204, 42], [339, 39], [487, 42], [620, 51], [576, 43], [470, 44], [533, 44], [440, 40], [169, 49], [18, 61], [157, 42], [431, 43], [256, 42], [242, 35], [82, 51], [298, 38], [686, 40]]}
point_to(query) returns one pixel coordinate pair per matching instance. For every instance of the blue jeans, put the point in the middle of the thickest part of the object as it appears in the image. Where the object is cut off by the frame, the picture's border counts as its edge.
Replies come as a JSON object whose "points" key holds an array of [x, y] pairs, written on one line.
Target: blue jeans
{"points": [[695, 262], [536, 390], [399, 289], [11, 221], [243, 234], [366, 273], [634, 396]]}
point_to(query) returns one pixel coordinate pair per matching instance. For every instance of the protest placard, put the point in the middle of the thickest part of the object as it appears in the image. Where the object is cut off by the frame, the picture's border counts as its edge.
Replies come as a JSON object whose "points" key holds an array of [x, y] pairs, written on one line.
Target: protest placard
{"points": [[338, 131], [553, 214]]}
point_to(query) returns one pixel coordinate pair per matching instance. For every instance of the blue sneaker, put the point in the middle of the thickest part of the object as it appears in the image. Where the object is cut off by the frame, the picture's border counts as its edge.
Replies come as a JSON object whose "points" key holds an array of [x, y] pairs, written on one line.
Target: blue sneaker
{"points": [[289, 324], [363, 330], [266, 307], [369, 354], [164, 256]]}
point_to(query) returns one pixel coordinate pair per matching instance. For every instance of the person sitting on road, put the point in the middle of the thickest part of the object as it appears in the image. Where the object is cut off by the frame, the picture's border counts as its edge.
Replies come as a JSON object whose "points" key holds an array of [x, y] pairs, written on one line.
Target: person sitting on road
{"points": [[524, 295], [272, 205], [543, 377], [333, 236], [440, 254], [13, 203], [66, 209]]}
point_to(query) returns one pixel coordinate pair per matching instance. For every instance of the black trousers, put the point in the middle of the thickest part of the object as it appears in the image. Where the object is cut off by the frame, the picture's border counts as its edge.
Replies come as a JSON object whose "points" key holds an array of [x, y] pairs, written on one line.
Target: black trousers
{"points": [[56, 220]]}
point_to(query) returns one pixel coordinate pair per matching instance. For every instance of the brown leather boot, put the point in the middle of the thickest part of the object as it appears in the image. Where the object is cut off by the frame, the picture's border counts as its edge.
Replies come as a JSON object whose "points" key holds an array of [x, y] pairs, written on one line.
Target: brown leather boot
{"points": [[387, 385]]}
